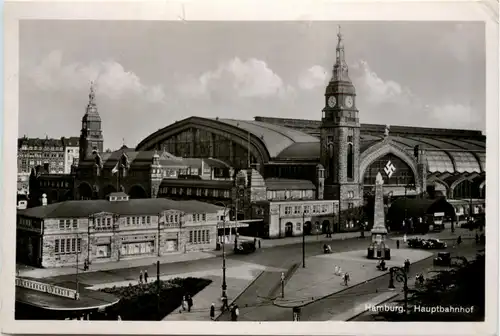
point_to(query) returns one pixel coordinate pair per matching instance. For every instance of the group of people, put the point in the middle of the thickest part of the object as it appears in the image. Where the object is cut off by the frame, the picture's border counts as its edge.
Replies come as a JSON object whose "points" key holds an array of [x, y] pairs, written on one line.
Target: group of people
{"points": [[143, 275], [187, 303]]}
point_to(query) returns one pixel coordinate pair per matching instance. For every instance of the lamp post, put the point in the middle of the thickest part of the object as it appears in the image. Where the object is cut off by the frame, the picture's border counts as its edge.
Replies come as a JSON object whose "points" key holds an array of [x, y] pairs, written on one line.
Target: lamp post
{"points": [[77, 253], [224, 284], [400, 275], [303, 240]]}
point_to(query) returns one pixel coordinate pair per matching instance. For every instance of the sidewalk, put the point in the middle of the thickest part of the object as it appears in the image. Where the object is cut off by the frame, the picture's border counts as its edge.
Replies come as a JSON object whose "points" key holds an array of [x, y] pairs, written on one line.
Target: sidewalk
{"points": [[319, 280], [267, 243], [174, 257], [237, 283]]}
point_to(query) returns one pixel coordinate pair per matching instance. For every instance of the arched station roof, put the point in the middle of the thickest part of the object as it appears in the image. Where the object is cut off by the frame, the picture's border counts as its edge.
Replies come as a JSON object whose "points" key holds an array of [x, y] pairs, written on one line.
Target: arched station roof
{"points": [[449, 151]]}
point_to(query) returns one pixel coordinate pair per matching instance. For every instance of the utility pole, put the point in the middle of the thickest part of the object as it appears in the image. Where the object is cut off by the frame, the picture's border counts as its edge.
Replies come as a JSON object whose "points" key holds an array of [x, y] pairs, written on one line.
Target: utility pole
{"points": [[158, 287], [282, 285], [303, 241], [77, 253]]}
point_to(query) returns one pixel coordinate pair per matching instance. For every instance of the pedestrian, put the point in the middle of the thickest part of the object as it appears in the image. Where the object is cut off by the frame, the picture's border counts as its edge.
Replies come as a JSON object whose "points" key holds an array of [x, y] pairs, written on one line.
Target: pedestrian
{"points": [[145, 276], [119, 318], [189, 302], [407, 265], [404, 238], [259, 244], [212, 312], [397, 243], [140, 277], [336, 270], [459, 240], [232, 309], [346, 279], [184, 302], [224, 303]]}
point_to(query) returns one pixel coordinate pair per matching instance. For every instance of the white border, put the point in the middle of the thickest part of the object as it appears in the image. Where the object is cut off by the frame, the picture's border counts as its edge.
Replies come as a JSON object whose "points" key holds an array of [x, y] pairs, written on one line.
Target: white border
{"points": [[245, 10]]}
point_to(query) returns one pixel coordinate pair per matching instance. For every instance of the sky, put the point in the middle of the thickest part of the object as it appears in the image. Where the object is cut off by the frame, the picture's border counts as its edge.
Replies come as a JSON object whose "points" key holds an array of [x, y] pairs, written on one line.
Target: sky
{"points": [[149, 74]]}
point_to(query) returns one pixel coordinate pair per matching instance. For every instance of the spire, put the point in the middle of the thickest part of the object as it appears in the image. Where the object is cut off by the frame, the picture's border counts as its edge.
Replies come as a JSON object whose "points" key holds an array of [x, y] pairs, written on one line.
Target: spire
{"points": [[91, 94], [340, 70]]}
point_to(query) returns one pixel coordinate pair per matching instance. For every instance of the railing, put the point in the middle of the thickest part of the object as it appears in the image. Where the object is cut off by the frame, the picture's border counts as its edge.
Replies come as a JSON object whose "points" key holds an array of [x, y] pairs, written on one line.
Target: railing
{"points": [[47, 288]]}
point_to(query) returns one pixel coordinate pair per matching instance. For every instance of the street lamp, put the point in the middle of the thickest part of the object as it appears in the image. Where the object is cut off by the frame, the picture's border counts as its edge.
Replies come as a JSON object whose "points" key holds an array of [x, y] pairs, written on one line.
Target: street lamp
{"points": [[303, 240], [401, 275], [224, 285]]}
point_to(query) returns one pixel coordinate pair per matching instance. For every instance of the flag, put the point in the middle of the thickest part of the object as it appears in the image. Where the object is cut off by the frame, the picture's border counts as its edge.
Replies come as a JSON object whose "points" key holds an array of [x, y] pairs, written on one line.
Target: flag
{"points": [[115, 169]]}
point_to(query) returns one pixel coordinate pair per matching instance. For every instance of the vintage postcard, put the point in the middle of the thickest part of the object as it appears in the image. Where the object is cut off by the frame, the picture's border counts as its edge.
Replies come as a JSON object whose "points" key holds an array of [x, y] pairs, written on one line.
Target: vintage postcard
{"points": [[237, 167]]}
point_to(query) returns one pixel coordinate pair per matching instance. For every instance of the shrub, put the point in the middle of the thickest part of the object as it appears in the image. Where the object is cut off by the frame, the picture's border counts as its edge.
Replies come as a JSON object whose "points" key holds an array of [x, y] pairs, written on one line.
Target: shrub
{"points": [[140, 302]]}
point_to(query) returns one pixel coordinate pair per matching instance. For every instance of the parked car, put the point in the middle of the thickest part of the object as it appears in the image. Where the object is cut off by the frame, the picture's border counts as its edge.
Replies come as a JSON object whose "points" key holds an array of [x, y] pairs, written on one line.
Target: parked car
{"points": [[442, 259], [245, 247], [432, 244]]}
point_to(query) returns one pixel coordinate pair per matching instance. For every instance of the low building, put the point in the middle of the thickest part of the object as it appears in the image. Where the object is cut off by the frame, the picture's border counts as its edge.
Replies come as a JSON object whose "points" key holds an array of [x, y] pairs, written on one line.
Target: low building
{"points": [[118, 228], [293, 218]]}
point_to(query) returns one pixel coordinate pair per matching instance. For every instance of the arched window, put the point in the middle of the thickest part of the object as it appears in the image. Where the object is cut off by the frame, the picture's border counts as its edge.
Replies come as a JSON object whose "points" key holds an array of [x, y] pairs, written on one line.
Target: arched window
{"points": [[350, 161]]}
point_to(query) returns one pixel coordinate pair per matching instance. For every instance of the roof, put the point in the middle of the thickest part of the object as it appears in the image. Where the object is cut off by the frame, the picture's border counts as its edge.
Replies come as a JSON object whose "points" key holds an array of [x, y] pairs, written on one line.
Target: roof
{"points": [[135, 159], [275, 137], [144, 206], [88, 298], [290, 184]]}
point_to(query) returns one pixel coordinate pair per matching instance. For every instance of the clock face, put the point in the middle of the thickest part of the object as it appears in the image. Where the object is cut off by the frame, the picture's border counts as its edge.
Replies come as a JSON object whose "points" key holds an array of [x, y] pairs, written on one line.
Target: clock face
{"points": [[332, 101], [348, 101]]}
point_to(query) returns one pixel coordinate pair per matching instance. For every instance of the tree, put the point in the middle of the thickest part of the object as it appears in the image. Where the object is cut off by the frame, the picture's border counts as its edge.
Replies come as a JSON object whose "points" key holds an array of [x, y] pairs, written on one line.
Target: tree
{"points": [[462, 286]]}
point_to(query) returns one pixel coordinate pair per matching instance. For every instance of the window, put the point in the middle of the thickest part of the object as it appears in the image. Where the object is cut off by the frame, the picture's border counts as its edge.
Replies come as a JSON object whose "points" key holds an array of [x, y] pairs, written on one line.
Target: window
{"points": [[75, 223], [296, 209], [315, 208], [61, 224], [307, 209], [143, 220], [68, 223], [128, 220], [350, 161], [298, 226], [324, 208], [148, 219], [203, 217], [133, 220], [199, 237], [288, 210], [67, 245]]}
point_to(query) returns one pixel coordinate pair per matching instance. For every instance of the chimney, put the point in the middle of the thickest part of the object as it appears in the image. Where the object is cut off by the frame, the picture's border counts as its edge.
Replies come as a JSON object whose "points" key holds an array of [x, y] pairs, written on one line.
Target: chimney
{"points": [[44, 199]]}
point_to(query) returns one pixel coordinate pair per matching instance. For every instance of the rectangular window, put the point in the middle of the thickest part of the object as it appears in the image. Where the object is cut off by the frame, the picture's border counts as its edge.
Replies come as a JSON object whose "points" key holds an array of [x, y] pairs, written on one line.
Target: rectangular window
{"points": [[176, 218], [298, 226], [61, 247], [75, 223], [288, 210], [128, 220], [73, 245], [208, 236], [191, 236], [56, 246], [307, 209], [296, 209], [108, 221], [79, 245], [68, 223], [143, 220], [203, 217], [133, 220], [203, 236], [148, 218], [170, 218], [61, 224]]}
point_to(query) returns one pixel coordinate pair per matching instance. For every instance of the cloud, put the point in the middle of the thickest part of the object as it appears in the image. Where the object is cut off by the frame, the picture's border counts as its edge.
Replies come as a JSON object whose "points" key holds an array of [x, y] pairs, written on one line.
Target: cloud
{"points": [[112, 80], [315, 76], [455, 116], [251, 78], [378, 91]]}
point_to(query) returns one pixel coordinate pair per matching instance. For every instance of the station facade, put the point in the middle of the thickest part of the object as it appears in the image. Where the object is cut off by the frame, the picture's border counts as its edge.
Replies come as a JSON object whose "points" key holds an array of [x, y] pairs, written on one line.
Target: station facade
{"points": [[251, 164]]}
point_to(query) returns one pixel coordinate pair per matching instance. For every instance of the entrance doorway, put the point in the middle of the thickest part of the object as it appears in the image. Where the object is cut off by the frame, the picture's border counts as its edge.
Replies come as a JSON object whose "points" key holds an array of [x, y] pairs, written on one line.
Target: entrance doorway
{"points": [[307, 228], [288, 229]]}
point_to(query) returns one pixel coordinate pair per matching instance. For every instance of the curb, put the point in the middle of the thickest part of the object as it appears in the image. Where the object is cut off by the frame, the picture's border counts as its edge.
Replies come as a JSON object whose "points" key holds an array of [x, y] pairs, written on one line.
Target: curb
{"points": [[342, 290], [364, 311], [239, 294]]}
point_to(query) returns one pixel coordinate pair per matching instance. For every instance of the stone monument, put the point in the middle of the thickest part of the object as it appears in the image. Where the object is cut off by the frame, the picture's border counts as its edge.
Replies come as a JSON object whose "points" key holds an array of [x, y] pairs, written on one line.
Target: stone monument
{"points": [[378, 249]]}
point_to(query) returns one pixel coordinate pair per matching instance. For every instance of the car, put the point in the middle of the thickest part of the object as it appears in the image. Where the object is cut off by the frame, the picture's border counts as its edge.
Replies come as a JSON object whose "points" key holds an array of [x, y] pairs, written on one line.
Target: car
{"points": [[415, 242], [245, 247], [442, 259], [432, 244]]}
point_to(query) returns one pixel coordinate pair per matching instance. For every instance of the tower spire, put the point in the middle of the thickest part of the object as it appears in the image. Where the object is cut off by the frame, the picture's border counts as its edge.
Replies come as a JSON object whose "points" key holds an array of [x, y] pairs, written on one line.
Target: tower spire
{"points": [[91, 94], [340, 70]]}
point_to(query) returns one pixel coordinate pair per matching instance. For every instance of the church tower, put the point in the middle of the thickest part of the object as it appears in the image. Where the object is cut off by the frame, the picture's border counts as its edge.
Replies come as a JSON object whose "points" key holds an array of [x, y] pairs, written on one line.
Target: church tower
{"points": [[91, 133], [340, 138]]}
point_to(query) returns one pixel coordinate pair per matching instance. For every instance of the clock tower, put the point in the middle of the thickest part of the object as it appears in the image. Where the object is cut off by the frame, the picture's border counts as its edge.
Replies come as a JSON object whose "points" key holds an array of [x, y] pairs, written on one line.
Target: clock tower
{"points": [[91, 139], [340, 138]]}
